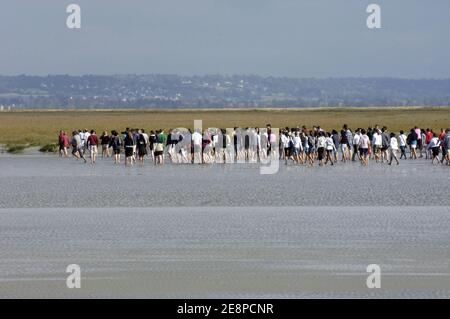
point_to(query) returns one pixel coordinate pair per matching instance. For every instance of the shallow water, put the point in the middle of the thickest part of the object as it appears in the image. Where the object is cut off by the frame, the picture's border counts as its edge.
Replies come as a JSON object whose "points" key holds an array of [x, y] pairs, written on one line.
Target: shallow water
{"points": [[196, 231]]}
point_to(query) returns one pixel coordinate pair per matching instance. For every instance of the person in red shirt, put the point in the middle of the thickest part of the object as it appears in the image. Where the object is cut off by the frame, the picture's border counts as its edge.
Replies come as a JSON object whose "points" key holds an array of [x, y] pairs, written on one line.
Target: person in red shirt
{"points": [[428, 137], [92, 143], [441, 139], [61, 143], [64, 143], [442, 135]]}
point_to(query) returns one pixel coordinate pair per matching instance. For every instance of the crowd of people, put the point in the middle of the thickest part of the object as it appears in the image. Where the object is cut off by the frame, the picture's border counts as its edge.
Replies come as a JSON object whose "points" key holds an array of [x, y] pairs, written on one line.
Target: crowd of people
{"points": [[300, 146]]}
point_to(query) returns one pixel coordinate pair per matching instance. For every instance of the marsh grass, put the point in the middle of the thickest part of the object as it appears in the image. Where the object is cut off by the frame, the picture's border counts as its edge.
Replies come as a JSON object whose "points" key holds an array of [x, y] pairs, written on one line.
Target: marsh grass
{"points": [[39, 128], [49, 148], [15, 148]]}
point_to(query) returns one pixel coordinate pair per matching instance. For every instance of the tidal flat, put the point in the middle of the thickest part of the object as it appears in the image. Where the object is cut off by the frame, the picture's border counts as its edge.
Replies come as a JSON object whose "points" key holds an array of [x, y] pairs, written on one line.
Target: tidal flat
{"points": [[222, 231]]}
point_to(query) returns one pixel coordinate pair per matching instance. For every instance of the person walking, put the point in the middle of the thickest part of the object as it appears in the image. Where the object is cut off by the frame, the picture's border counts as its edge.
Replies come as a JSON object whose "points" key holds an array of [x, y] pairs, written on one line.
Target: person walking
{"points": [[161, 140], [446, 146], [105, 142], [434, 146], [393, 149], [364, 145], [385, 145], [77, 147], [64, 144], [321, 144], [377, 142], [403, 143], [345, 143], [412, 142], [330, 149], [152, 142], [129, 148], [92, 143], [356, 139], [141, 146], [115, 144]]}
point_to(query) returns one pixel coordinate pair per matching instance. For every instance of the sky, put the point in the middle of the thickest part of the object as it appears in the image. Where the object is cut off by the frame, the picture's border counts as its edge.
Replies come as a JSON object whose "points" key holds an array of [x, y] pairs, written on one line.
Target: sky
{"points": [[293, 38]]}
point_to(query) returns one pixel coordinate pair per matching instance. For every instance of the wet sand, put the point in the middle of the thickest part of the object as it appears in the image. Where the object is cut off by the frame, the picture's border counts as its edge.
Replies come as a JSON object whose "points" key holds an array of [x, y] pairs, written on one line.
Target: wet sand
{"points": [[208, 232], [46, 181]]}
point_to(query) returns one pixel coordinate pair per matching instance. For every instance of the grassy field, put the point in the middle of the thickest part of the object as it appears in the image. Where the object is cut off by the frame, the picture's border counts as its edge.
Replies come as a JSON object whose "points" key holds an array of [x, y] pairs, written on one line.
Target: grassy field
{"points": [[37, 128]]}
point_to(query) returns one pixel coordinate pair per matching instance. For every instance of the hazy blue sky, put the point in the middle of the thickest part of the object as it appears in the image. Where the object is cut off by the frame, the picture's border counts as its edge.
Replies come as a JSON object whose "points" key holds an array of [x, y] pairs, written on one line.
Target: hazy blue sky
{"points": [[296, 38]]}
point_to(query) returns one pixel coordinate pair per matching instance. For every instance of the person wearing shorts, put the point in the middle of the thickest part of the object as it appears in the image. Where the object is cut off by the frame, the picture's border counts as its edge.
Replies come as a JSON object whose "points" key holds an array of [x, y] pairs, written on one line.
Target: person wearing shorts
{"points": [[64, 144], [161, 140], [412, 141], [434, 146], [364, 144], [356, 139], [92, 143], [129, 148], [377, 141], [344, 144], [105, 142], [77, 146], [402, 142], [321, 144], [297, 141], [363, 151], [284, 146], [115, 143], [141, 146], [330, 149]]}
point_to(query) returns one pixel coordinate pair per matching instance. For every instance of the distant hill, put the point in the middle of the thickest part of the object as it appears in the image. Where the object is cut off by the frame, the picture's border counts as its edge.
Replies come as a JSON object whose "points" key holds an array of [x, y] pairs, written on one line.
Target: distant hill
{"points": [[215, 91]]}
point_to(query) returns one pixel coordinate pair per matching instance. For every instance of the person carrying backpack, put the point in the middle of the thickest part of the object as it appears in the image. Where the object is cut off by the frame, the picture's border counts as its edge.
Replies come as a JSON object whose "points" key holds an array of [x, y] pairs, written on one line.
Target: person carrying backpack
{"points": [[115, 144], [141, 146], [385, 144], [77, 146]]}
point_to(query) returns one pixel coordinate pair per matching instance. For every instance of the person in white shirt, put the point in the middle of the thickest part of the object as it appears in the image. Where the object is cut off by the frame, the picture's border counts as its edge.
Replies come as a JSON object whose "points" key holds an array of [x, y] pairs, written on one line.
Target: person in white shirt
{"points": [[207, 156], [284, 139], [377, 141], [273, 144], [83, 139], [147, 140], [393, 149], [215, 141], [330, 148], [321, 144], [182, 146], [402, 142], [364, 145], [229, 147], [197, 142], [86, 136], [197, 138], [261, 146], [356, 139], [253, 146], [434, 146], [297, 147]]}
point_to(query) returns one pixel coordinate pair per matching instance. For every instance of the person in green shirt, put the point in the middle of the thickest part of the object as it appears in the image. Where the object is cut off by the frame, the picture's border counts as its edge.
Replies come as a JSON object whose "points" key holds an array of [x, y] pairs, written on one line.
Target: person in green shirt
{"points": [[161, 139]]}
